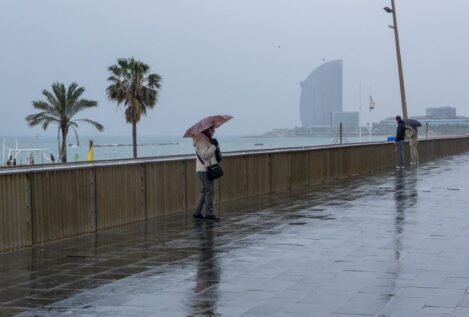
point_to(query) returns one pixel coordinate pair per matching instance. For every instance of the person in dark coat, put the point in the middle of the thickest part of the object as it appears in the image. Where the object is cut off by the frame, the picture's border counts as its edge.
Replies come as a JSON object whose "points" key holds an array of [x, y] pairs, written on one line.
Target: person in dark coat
{"points": [[400, 137]]}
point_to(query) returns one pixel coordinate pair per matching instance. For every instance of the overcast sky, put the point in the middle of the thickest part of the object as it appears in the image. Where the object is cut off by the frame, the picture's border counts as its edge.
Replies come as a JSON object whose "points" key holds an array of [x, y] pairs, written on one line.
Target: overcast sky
{"points": [[240, 57]]}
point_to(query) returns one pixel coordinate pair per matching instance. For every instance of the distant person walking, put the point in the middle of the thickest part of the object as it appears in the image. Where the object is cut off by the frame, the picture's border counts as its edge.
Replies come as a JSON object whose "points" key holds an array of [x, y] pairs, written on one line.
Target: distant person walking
{"points": [[413, 136], [206, 148], [400, 137]]}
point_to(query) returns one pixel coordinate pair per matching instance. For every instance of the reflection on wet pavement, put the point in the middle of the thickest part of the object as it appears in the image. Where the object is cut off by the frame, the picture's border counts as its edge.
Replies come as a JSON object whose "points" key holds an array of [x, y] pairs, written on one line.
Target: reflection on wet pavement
{"points": [[393, 244]]}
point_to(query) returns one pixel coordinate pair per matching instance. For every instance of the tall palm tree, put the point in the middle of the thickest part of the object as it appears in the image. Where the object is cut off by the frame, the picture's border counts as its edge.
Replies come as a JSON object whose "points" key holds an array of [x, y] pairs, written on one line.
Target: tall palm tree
{"points": [[132, 85], [60, 107]]}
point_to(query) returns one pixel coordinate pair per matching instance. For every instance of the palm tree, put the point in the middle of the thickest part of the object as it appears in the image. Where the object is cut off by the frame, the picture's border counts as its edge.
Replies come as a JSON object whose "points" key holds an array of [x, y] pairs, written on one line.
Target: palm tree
{"points": [[132, 85], [59, 108]]}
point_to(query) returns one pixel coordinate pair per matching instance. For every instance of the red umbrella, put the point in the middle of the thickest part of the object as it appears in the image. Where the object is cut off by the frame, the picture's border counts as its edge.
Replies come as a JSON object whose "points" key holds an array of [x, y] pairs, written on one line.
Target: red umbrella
{"points": [[205, 123]]}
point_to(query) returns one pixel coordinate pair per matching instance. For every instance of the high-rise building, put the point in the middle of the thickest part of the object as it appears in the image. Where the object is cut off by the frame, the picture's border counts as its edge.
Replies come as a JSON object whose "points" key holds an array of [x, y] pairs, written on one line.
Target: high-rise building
{"points": [[321, 95]]}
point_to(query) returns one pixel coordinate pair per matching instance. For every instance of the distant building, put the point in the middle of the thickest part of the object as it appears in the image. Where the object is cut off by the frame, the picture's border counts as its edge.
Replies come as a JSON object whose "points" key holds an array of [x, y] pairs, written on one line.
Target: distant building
{"points": [[442, 120], [350, 120], [441, 112], [321, 95]]}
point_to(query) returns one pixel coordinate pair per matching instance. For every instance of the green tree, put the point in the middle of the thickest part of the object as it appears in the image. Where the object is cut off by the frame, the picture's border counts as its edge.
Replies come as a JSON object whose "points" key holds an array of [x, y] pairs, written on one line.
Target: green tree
{"points": [[133, 86], [60, 107]]}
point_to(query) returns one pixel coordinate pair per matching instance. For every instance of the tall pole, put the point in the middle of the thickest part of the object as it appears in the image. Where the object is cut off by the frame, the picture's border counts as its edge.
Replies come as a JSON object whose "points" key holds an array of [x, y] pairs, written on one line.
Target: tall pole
{"points": [[341, 132], [372, 106], [360, 113], [399, 61], [370, 127]]}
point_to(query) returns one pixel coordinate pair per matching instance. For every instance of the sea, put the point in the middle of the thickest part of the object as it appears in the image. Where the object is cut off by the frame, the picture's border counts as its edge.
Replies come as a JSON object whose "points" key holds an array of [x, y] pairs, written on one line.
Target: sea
{"points": [[41, 147]]}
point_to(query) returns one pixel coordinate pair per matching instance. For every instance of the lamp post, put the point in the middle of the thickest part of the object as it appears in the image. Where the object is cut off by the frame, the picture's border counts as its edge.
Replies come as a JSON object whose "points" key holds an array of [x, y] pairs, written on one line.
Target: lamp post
{"points": [[399, 60]]}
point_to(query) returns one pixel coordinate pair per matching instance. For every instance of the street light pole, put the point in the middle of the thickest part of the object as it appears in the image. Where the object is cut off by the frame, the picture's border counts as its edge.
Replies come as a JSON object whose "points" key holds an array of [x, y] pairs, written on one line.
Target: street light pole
{"points": [[399, 59]]}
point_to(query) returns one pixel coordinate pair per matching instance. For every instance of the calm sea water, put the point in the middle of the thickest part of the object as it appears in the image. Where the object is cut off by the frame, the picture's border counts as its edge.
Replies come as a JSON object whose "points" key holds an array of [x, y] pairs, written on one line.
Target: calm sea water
{"points": [[118, 147]]}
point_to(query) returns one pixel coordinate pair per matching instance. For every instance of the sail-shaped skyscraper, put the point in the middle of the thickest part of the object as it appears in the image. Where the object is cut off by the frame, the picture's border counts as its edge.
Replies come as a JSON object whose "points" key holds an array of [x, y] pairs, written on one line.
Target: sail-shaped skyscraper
{"points": [[321, 95]]}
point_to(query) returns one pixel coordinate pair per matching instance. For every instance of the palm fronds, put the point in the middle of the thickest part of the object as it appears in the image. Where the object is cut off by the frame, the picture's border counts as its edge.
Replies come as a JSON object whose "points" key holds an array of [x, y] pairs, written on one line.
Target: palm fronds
{"points": [[133, 86], [59, 107]]}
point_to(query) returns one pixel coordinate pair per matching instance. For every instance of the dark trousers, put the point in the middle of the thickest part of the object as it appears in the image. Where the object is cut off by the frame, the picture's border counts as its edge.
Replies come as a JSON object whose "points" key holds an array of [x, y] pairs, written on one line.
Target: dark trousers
{"points": [[205, 199], [400, 152]]}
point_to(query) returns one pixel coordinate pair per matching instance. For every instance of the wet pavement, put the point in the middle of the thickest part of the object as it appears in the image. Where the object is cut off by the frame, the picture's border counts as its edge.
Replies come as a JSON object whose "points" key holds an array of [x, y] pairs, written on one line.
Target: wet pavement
{"points": [[394, 244]]}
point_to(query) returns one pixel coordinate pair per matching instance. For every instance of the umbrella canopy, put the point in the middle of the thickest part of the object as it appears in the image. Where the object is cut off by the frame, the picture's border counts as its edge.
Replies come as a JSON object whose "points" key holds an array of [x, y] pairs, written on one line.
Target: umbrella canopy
{"points": [[205, 123], [412, 122]]}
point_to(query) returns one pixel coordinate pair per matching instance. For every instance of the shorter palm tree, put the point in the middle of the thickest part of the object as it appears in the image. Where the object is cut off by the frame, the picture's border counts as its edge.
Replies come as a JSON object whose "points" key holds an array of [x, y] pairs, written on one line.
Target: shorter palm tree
{"points": [[59, 108]]}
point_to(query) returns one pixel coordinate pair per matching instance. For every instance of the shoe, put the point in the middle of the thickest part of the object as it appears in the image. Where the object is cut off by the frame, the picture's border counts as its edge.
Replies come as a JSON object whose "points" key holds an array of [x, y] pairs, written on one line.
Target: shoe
{"points": [[212, 217], [198, 216]]}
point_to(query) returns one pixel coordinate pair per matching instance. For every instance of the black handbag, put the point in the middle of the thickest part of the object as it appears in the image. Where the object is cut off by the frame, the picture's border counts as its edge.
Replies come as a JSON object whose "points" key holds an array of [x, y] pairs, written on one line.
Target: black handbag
{"points": [[214, 171]]}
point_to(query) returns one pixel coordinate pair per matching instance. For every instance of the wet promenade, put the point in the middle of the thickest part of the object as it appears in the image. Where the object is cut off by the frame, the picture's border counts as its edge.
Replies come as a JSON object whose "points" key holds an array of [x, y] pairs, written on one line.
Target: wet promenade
{"points": [[394, 244]]}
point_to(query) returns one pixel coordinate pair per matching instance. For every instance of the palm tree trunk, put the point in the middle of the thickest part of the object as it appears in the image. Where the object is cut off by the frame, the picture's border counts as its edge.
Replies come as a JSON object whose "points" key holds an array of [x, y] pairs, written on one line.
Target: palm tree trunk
{"points": [[63, 150], [58, 144], [134, 137]]}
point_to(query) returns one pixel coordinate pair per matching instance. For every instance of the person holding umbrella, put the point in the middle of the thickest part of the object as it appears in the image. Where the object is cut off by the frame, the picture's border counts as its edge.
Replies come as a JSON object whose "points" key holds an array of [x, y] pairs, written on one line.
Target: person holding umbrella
{"points": [[207, 158], [412, 135]]}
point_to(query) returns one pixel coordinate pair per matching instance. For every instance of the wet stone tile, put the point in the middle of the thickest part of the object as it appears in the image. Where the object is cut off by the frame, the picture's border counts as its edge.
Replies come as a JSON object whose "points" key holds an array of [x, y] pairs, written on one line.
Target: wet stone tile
{"points": [[69, 266], [88, 270], [31, 276], [10, 312], [49, 282], [141, 255], [157, 261], [56, 294], [129, 270], [85, 284], [29, 302], [460, 312], [117, 262], [111, 276], [10, 294]]}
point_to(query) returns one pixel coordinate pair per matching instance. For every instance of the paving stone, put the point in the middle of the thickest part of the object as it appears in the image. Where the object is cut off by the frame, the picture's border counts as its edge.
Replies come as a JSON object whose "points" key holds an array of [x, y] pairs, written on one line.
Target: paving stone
{"points": [[435, 312], [460, 312], [10, 312], [445, 298]]}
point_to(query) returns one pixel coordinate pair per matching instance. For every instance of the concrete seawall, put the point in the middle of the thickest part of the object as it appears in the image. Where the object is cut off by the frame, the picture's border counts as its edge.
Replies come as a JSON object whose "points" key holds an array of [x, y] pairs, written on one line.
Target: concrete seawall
{"points": [[47, 203]]}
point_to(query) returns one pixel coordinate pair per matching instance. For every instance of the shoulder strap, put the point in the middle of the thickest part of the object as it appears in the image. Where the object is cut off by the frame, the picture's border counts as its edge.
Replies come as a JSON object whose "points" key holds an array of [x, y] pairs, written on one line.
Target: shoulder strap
{"points": [[200, 159]]}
